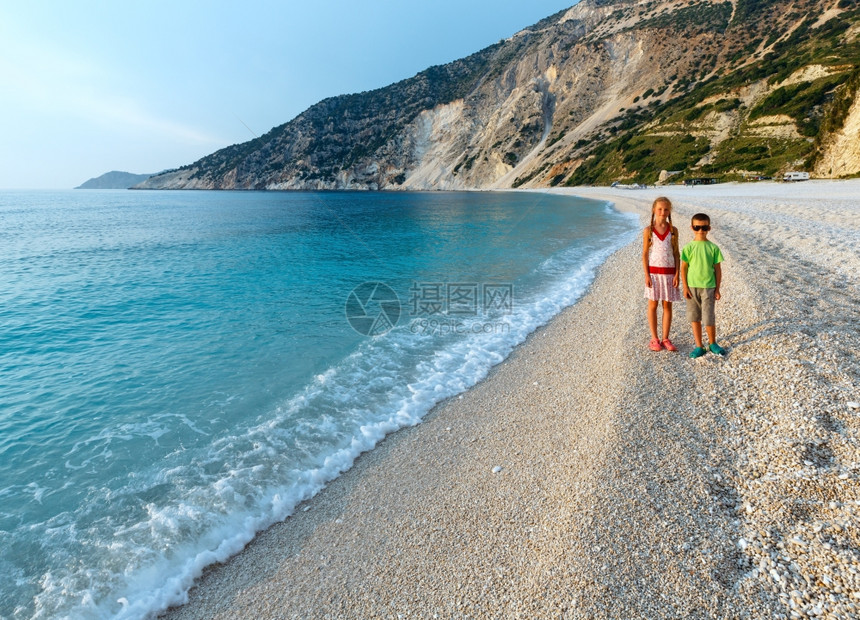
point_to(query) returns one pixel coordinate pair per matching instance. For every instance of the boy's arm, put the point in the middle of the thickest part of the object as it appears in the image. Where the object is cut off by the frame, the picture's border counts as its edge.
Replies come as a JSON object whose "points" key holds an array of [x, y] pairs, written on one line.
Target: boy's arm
{"points": [[687, 292], [718, 274]]}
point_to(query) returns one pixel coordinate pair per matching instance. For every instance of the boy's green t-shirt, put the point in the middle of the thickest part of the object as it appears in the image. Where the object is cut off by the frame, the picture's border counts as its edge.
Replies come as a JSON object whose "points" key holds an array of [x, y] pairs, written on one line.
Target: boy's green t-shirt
{"points": [[701, 256]]}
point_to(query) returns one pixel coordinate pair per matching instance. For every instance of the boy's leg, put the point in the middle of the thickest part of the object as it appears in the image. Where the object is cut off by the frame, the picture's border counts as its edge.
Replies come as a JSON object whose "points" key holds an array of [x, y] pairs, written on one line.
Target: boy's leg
{"points": [[652, 318], [697, 332], [713, 347], [694, 315], [711, 325], [708, 316], [667, 319]]}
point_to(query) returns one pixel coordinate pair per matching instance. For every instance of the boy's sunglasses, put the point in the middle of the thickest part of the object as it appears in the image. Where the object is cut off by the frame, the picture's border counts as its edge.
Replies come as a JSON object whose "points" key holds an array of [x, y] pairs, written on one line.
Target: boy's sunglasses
{"points": [[704, 227]]}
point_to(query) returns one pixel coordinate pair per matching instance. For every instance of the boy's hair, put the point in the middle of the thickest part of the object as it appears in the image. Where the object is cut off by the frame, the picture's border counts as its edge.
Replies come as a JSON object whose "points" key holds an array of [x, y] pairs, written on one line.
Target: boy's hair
{"points": [[701, 217]]}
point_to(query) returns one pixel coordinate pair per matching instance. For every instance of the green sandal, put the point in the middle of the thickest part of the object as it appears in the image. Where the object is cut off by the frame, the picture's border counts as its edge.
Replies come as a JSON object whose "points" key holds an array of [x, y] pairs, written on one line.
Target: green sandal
{"points": [[716, 349], [698, 352]]}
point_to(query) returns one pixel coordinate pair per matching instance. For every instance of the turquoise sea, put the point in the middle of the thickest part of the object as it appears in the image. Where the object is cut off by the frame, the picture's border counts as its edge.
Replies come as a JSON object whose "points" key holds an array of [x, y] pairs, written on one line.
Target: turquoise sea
{"points": [[178, 370]]}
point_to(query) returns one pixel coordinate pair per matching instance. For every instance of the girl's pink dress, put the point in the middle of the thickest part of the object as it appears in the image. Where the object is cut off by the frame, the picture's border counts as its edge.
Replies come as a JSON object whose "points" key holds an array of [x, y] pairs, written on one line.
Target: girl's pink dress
{"points": [[661, 264]]}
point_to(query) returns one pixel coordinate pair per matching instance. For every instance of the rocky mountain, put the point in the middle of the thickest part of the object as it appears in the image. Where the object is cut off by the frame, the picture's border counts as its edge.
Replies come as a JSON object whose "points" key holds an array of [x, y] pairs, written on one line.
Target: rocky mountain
{"points": [[607, 90], [114, 179]]}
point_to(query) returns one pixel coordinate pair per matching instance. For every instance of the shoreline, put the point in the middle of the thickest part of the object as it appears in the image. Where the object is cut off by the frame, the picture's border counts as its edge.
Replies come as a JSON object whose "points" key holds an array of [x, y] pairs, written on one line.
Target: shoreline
{"points": [[624, 490]]}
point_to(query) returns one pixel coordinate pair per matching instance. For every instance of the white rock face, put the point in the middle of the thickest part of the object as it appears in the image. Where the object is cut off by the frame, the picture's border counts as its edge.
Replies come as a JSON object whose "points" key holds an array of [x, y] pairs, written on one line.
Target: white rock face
{"points": [[842, 155], [437, 137]]}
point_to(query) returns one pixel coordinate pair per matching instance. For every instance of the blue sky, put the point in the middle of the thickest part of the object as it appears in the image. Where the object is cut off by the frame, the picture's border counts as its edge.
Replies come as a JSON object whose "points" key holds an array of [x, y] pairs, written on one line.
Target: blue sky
{"points": [[87, 87]]}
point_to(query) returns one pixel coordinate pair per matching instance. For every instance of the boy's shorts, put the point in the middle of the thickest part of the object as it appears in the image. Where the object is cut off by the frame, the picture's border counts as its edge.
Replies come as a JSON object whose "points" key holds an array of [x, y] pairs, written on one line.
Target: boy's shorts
{"points": [[700, 309]]}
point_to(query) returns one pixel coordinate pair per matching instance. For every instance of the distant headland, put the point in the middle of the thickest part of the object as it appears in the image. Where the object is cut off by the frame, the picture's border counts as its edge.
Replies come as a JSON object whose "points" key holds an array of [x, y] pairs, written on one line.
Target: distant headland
{"points": [[114, 179]]}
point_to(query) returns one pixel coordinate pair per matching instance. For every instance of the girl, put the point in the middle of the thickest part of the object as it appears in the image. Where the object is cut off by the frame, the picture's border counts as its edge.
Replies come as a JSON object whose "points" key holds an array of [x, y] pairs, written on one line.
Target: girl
{"points": [[661, 260]]}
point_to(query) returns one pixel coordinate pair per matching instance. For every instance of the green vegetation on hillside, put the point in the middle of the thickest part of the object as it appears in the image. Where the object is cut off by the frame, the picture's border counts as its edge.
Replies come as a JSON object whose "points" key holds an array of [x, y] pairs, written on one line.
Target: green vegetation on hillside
{"points": [[649, 139], [702, 16], [764, 155], [802, 102], [639, 159]]}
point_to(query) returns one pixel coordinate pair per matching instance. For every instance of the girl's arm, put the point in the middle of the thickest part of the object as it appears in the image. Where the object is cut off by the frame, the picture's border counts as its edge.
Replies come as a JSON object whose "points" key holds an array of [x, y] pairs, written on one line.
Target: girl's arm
{"points": [[676, 254], [646, 246]]}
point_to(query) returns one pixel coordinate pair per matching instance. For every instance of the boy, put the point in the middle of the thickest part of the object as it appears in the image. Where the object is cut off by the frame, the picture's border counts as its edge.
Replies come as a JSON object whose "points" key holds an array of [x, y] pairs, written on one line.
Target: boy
{"points": [[701, 274]]}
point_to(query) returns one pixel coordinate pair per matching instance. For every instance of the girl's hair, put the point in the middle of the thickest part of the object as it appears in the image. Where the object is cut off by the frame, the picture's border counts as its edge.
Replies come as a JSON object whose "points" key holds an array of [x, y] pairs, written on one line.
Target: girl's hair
{"points": [[654, 207]]}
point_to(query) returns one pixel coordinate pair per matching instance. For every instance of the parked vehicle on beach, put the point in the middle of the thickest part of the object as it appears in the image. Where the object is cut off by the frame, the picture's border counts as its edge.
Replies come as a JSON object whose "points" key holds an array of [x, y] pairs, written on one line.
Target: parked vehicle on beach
{"points": [[796, 176]]}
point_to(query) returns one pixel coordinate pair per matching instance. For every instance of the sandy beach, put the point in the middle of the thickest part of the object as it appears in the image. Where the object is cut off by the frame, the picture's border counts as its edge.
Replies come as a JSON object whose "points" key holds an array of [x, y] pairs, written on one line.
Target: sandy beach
{"points": [[589, 477]]}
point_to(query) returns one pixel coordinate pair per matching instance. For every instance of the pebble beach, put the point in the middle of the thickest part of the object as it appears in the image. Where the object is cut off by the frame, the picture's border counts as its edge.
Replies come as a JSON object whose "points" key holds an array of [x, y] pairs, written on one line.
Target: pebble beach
{"points": [[589, 477]]}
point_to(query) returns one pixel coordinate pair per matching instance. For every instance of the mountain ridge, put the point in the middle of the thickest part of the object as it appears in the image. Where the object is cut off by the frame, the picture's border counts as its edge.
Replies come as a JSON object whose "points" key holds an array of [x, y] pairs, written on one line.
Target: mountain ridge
{"points": [[598, 92]]}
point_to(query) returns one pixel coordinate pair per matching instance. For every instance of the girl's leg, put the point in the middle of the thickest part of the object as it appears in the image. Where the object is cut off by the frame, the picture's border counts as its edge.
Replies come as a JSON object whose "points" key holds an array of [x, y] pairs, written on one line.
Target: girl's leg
{"points": [[667, 319], [652, 318]]}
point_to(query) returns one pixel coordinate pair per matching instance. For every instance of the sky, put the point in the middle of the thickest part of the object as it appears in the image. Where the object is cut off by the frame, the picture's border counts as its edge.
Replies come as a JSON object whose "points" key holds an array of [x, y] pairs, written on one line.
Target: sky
{"points": [[87, 87]]}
